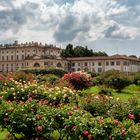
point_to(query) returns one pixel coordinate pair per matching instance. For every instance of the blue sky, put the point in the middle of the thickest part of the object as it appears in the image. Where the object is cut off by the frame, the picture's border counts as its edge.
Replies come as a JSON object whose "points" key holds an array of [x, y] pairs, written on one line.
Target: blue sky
{"points": [[112, 26]]}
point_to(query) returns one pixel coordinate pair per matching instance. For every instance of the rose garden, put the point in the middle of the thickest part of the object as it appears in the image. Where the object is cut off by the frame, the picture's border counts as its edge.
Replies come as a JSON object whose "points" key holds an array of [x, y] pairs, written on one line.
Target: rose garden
{"points": [[55, 105]]}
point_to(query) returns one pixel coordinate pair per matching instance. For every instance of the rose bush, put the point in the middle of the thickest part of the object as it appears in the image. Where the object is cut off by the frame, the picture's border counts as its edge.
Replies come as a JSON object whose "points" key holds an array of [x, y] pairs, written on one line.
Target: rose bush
{"points": [[79, 80], [37, 112]]}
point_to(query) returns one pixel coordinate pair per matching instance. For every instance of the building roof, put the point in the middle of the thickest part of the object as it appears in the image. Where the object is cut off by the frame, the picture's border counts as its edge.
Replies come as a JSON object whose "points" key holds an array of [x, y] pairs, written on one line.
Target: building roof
{"points": [[113, 57], [28, 45]]}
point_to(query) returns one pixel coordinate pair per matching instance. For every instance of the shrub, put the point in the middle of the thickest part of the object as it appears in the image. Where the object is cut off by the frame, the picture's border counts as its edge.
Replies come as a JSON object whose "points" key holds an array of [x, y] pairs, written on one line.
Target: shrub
{"points": [[104, 77], [50, 78], [22, 76], [79, 80], [105, 91], [57, 72], [118, 83], [2, 77], [136, 78], [97, 105], [93, 74]]}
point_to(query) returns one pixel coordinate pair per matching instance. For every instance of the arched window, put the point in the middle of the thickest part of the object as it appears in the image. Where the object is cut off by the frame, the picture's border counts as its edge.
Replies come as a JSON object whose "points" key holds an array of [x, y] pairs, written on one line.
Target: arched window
{"points": [[59, 65], [36, 65]]}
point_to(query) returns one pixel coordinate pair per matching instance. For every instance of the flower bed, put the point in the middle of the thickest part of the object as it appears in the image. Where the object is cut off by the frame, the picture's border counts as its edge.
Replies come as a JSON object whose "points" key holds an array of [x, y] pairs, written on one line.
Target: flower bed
{"points": [[35, 111]]}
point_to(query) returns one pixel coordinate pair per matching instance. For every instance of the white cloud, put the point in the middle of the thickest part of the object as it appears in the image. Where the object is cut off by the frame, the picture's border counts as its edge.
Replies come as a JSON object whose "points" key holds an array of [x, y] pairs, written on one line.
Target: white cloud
{"points": [[64, 21]]}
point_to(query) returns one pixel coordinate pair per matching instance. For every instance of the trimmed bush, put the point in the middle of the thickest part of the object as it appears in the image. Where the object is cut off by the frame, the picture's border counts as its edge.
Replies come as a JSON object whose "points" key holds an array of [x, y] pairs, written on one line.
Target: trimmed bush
{"points": [[57, 72], [118, 83], [50, 78]]}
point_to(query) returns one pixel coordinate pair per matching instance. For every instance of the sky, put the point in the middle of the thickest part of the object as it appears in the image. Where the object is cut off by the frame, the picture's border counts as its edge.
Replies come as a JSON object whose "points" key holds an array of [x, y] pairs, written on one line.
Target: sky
{"points": [[112, 26]]}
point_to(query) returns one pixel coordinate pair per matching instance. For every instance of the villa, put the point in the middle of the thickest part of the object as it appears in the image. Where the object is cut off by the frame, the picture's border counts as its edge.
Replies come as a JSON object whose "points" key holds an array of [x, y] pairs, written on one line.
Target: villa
{"points": [[36, 55]]}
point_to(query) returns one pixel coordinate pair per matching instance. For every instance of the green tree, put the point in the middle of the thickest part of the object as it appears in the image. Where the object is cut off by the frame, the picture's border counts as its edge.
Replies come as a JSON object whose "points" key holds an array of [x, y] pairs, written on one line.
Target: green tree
{"points": [[133, 56]]}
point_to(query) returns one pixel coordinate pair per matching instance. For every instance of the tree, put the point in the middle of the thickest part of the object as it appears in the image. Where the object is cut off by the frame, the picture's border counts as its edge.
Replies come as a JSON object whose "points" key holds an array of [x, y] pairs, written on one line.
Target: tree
{"points": [[133, 56], [68, 52], [80, 51]]}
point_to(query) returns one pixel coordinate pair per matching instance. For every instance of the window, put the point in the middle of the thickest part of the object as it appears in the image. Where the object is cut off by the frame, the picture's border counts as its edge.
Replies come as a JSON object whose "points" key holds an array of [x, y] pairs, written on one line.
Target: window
{"points": [[22, 65], [17, 66], [118, 63], [107, 63], [2, 67], [99, 69], [112, 63], [73, 69], [3, 58], [17, 57], [11, 57], [92, 63], [72, 64], [7, 68], [22, 56], [79, 64], [85, 63], [7, 58], [99, 63], [125, 63], [78, 69], [46, 63]]}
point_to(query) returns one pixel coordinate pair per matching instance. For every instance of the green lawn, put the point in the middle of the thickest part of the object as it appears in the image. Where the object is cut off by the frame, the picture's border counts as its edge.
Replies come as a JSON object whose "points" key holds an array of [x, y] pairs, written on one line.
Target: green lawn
{"points": [[128, 92], [3, 135]]}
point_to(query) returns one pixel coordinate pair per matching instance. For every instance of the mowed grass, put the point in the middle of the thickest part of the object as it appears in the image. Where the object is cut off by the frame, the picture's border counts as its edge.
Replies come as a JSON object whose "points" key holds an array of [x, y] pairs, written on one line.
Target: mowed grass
{"points": [[3, 135], [125, 94]]}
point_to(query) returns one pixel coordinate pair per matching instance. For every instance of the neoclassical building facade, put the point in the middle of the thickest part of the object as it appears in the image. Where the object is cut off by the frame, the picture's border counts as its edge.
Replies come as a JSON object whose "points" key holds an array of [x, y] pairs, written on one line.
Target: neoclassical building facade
{"points": [[30, 55], [36, 55]]}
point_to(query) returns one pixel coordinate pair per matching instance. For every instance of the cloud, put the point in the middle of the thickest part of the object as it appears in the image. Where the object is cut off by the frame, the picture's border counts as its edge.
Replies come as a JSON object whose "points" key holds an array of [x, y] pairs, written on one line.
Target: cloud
{"points": [[14, 18], [69, 20], [116, 31]]}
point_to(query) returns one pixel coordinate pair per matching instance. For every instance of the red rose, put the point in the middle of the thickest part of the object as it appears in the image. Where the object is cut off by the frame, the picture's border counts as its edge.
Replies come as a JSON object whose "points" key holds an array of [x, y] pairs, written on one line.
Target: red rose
{"points": [[66, 126], [39, 117], [110, 138], [40, 128], [124, 132], [6, 120], [45, 102], [116, 122], [70, 113], [30, 99], [131, 116], [74, 127], [86, 133], [90, 137]]}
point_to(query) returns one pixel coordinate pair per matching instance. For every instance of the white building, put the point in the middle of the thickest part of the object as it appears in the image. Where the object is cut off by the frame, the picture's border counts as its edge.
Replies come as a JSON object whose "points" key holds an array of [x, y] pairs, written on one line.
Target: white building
{"points": [[29, 55], [102, 64]]}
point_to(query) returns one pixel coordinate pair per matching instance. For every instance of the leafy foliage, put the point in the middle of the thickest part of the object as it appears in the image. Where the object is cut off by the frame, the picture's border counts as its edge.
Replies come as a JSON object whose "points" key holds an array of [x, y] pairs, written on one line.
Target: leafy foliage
{"points": [[79, 51], [35, 111], [57, 72], [79, 80]]}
